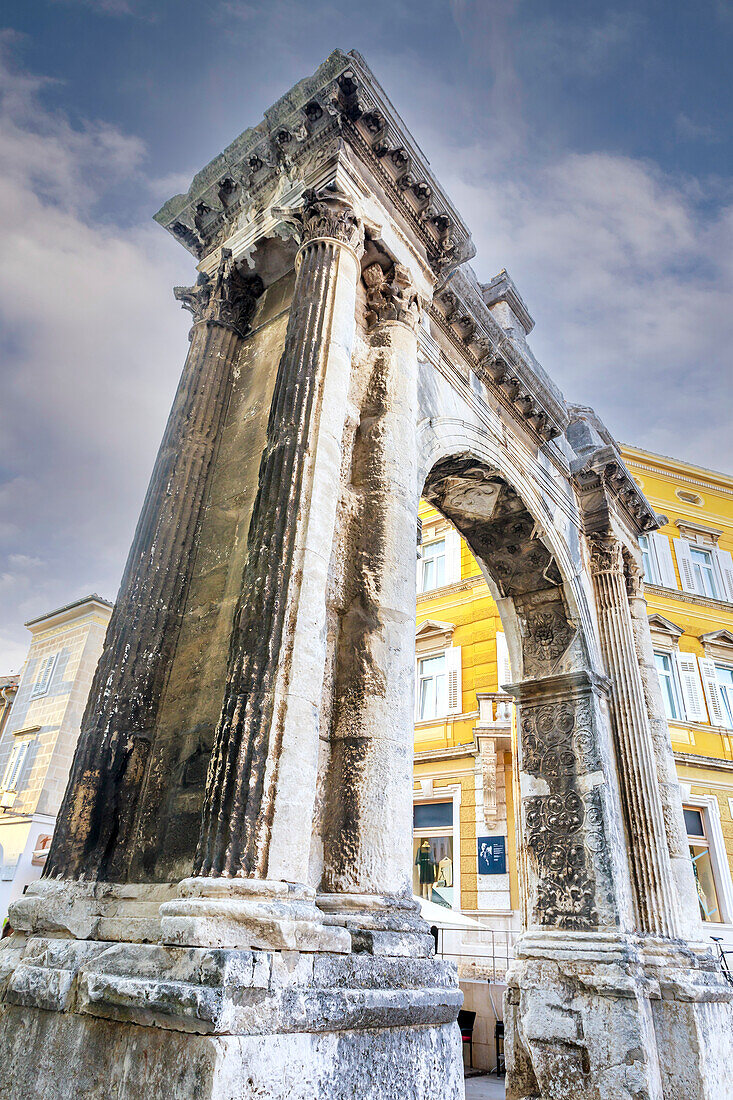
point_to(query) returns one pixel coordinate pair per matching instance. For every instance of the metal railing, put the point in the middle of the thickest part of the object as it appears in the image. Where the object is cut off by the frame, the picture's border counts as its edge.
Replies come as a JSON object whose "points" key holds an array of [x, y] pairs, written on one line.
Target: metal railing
{"points": [[482, 955]]}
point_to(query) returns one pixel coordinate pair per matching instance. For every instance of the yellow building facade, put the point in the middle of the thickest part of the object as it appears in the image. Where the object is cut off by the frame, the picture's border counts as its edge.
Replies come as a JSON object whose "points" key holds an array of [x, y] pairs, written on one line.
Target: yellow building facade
{"points": [[464, 844]]}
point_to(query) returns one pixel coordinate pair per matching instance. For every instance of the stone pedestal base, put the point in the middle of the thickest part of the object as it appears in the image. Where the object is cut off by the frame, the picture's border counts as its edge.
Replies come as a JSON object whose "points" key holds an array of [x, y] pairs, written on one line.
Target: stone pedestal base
{"points": [[74, 1057], [130, 1021], [599, 1018]]}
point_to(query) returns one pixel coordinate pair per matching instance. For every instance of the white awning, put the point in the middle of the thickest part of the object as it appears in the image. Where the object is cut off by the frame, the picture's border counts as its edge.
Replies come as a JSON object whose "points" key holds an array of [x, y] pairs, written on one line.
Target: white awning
{"points": [[442, 917]]}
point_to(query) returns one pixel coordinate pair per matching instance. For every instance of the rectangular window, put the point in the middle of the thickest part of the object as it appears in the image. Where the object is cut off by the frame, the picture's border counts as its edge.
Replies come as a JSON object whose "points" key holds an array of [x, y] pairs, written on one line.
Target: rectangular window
{"points": [[703, 572], [724, 676], [697, 838], [432, 815], [432, 573], [432, 853], [668, 684], [15, 765], [432, 688], [647, 561], [43, 679]]}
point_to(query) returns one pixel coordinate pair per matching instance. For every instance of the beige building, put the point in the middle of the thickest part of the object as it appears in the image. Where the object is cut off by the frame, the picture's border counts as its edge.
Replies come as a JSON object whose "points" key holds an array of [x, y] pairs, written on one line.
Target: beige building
{"points": [[39, 735]]}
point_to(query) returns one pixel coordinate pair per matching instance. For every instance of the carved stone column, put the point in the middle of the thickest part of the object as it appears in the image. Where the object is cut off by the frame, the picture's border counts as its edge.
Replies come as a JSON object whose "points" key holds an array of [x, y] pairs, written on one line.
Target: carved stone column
{"points": [[651, 874], [266, 743], [369, 797], [669, 791], [100, 801]]}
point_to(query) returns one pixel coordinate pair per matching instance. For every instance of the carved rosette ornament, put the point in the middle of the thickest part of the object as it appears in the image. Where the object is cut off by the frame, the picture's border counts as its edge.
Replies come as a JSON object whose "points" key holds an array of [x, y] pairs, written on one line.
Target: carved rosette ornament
{"points": [[390, 295]]}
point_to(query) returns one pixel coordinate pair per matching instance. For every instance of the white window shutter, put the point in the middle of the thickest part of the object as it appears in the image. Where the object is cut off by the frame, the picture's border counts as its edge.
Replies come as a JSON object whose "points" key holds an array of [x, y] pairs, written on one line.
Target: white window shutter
{"points": [[724, 562], [452, 556], [684, 561], [691, 687], [503, 669], [453, 671], [712, 692], [662, 555]]}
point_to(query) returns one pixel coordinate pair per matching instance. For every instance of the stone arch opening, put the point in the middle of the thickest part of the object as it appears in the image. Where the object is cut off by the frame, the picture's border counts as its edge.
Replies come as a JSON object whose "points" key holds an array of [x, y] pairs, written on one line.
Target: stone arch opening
{"points": [[570, 879], [511, 549]]}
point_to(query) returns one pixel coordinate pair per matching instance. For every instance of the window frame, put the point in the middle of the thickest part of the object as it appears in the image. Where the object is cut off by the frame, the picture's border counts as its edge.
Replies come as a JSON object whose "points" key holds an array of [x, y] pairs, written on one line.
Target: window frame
{"points": [[716, 841], [44, 676], [16, 765], [675, 684], [451, 792], [725, 690], [420, 658], [435, 538], [697, 571]]}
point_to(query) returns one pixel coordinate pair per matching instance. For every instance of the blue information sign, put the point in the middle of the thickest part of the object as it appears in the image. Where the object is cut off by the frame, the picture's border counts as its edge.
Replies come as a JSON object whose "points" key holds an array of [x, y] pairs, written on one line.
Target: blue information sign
{"points": [[491, 855]]}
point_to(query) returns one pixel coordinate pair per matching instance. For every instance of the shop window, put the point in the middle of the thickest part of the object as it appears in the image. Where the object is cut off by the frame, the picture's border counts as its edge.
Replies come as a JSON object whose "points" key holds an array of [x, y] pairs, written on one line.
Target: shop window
{"points": [[432, 852], [702, 865], [667, 673]]}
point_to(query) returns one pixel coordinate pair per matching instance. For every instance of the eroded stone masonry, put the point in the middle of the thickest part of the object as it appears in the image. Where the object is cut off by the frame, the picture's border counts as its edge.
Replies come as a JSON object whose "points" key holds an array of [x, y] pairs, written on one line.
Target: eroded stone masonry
{"points": [[226, 910]]}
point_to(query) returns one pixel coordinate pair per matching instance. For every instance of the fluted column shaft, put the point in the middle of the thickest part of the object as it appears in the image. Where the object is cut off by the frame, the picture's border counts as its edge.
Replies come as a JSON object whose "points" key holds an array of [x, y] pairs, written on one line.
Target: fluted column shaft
{"points": [[651, 874], [669, 790], [262, 777], [369, 788], [109, 765]]}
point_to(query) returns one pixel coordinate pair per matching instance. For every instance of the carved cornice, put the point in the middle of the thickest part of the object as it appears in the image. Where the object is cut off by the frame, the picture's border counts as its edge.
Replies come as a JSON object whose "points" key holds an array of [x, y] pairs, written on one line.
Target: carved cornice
{"points": [[604, 482], [344, 100], [460, 311], [226, 298], [390, 295]]}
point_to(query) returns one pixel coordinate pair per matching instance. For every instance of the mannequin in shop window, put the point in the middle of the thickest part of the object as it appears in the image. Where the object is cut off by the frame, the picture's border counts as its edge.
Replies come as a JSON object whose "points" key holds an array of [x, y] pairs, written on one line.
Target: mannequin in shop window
{"points": [[426, 866], [445, 872]]}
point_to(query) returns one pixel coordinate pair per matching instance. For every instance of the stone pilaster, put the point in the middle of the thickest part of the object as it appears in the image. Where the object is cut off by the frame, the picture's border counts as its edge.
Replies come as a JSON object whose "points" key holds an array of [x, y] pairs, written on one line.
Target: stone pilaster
{"points": [[261, 784], [369, 785], [669, 791], [109, 767], [654, 891]]}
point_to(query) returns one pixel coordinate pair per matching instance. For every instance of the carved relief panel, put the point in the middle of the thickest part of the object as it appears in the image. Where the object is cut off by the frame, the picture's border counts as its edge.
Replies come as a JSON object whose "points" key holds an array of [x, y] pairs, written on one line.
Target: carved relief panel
{"points": [[563, 829]]}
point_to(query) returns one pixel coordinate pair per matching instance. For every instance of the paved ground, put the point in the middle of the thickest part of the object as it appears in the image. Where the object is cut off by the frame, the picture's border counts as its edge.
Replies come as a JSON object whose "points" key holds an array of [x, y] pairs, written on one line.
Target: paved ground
{"points": [[485, 1088]]}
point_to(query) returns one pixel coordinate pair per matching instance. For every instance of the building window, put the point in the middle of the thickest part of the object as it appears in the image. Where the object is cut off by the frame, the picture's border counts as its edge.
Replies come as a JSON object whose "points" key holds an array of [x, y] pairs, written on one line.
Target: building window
{"points": [[724, 676], [15, 765], [703, 572], [668, 682], [697, 838], [43, 679], [432, 691], [432, 852], [647, 561], [432, 573]]}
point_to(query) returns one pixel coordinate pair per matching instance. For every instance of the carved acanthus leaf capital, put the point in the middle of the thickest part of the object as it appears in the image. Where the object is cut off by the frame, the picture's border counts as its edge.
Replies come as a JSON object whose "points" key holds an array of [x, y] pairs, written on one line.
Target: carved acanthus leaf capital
{"points": [[390, 295], [605, 554], [634, 579], [325, 213], [227, 297]]}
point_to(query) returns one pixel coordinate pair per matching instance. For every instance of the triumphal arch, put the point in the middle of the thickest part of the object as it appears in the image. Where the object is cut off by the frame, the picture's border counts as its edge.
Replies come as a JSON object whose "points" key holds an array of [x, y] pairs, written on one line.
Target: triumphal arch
{"points": [[226, 910]]}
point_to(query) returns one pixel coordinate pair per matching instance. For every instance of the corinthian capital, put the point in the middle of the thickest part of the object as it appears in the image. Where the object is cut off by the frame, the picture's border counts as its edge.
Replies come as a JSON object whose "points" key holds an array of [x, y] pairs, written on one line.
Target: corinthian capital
{"points": [[227, 297], [390, 295], [605, 554], [325, 213]]}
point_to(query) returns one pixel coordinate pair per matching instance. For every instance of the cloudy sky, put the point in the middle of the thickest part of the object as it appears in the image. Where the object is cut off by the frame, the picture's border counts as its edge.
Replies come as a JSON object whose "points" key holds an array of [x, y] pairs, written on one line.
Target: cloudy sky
{"points": [[587, 144]]}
